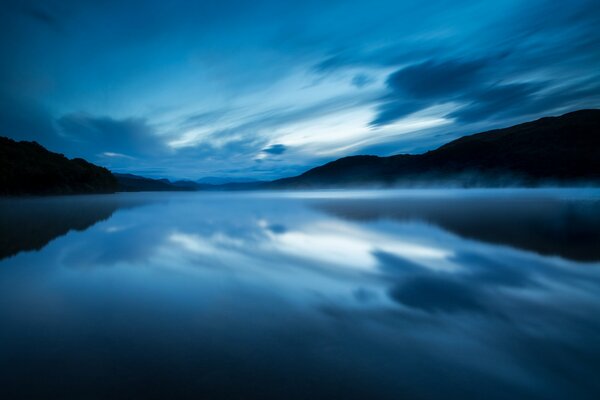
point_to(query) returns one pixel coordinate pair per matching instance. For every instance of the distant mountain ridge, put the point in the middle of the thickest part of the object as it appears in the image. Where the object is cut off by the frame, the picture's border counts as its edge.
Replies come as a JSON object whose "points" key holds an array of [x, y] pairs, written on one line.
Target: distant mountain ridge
{"points": [[136, 183], [27, 168], [220, 180], [560, 150]]}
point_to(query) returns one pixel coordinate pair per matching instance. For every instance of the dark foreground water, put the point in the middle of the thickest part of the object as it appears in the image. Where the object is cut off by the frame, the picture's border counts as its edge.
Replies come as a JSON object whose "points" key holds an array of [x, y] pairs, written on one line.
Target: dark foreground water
{"points": [[370, 295]]}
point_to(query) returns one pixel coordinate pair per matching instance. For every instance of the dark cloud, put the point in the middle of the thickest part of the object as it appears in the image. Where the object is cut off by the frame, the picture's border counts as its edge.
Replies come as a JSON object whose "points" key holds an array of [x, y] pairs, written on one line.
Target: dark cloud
{"points": [[44, 17], [396, 266], [275, 149], [500, 99], [394, 110], [434, 80], [533, 69], [130, 136], [277, 229], [438, 294], [362, 80], [425, 84], [475, 88]]}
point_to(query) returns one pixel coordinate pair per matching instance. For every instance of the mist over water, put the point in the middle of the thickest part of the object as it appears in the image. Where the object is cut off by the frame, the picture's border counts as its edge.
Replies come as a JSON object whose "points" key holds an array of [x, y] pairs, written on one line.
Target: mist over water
{"points": [[333, 294]]}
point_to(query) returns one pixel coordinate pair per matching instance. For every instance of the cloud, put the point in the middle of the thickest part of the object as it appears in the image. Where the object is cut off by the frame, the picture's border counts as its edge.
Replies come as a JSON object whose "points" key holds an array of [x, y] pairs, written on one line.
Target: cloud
{"points": [[202, 118], [501, 99], [438, 294], [98, 134], [435, 80], [422, 85], [44, 17], [226, 80], [394, 110], [532, 69], [275, 149], [475, 90], [361, 80]]}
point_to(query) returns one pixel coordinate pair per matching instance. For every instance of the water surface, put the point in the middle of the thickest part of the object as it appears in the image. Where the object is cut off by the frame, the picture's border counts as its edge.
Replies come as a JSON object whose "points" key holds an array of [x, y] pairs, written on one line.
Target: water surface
{"points": [[393, 294]]}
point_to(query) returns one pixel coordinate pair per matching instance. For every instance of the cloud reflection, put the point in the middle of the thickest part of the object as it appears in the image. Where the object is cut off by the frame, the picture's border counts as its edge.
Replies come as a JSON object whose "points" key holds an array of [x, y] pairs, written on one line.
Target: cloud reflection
{"points": [[224, 284]]}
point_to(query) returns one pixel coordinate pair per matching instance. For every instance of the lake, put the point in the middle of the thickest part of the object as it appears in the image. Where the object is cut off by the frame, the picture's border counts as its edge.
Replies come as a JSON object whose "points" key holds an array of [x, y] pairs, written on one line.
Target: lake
{"points": [[302, 295]]}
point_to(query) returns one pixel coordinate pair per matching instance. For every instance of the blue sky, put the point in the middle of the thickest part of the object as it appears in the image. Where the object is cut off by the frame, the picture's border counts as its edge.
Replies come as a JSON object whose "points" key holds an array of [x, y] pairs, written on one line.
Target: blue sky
{"points": [[265, 89]]}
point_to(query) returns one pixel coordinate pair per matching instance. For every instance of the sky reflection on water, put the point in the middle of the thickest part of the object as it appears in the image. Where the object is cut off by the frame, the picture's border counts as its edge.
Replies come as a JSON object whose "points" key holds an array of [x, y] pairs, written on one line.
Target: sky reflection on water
{"points": [[302, 295]]}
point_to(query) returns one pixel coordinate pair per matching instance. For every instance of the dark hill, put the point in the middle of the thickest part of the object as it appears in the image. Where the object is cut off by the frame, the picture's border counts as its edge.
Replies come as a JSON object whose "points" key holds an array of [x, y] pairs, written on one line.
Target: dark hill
{"points": [[136, 183], [563, 150], [28, 168]]}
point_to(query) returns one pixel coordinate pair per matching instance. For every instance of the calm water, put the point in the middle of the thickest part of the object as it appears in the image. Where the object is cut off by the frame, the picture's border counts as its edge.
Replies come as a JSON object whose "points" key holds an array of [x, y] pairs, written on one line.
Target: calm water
{"points": [[415, 294]]}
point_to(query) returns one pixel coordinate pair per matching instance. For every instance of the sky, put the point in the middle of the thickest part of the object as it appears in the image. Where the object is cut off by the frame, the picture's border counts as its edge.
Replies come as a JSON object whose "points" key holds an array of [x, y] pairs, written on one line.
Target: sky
{"points": [[266, 89]]}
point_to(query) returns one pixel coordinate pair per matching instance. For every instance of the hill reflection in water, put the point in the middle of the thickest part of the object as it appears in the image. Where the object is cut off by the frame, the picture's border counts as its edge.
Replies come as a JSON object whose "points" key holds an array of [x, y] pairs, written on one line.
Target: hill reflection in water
{"points": [[418, 294], [30, 223], [543, 224]]}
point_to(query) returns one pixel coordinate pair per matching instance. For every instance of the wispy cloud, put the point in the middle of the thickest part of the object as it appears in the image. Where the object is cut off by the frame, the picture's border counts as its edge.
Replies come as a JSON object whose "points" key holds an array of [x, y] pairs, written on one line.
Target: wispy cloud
{"points": [[268, 88]]}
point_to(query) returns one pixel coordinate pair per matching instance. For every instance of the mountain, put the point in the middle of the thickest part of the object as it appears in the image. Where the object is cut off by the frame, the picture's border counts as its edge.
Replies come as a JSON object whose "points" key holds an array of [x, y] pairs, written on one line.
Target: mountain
{"points": [[27, 168], [222, 180], [136, 183], [552, 150]]}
